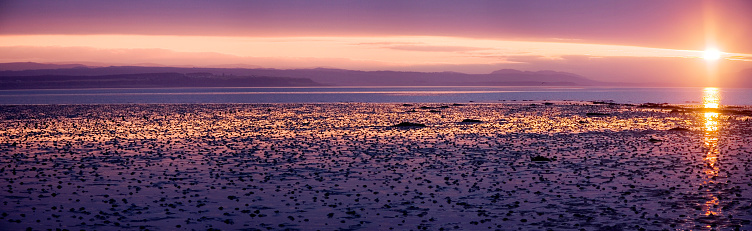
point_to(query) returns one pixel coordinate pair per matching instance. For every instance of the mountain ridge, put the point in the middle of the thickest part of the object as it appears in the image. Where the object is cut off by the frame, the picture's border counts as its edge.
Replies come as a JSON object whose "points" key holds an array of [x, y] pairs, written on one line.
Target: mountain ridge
{"points": [[148, 80], [315, 76]]}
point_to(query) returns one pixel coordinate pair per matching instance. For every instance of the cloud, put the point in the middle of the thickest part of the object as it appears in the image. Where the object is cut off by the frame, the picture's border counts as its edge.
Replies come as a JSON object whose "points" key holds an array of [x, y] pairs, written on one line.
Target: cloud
{"points": [[169, 58], [668, 24], [387, 43], [740, 58], [435, 48], [677, 71]]}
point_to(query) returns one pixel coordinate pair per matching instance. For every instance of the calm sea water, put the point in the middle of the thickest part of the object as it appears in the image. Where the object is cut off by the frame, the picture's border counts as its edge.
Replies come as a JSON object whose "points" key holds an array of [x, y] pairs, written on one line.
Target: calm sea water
{"points": [[370, 95]]}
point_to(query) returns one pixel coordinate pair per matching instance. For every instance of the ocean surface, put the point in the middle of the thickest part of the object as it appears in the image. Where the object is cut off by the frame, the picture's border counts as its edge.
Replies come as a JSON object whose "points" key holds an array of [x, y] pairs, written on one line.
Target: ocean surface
{"points": [[736, 96]]}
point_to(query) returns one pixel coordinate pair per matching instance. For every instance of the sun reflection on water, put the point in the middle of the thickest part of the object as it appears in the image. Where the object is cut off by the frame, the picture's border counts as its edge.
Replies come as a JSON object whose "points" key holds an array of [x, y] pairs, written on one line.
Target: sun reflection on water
{"points": [[711, 97], [711, 121], [711, 100]]}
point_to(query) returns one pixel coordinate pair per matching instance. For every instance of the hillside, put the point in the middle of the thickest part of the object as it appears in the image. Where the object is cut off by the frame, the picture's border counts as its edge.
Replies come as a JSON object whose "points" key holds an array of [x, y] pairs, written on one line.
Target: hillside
{"points": [[147, 80], [136, 76]]}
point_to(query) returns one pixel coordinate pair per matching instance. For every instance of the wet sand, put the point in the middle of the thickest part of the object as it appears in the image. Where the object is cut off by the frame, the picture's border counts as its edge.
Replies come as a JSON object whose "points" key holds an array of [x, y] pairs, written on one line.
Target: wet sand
{"points": [[564, 166]]}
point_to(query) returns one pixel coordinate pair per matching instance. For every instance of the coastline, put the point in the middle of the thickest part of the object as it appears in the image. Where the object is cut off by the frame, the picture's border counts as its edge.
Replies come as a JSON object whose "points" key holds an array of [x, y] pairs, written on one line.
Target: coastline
{"points": [[480, 94]]}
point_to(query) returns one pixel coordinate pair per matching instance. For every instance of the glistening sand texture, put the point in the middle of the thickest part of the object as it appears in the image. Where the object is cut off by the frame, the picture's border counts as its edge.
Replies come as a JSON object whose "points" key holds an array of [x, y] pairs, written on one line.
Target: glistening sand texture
{"points": [[341, 166]]}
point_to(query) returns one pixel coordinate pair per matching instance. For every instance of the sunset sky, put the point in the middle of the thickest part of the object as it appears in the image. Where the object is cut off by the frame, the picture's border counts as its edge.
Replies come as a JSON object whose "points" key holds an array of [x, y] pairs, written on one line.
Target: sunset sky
{"points": [[626, 41]]}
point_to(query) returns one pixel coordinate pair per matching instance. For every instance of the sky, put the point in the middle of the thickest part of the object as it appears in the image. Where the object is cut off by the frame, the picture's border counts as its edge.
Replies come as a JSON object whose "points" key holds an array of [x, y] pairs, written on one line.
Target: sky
{"points": [[661, 41]]}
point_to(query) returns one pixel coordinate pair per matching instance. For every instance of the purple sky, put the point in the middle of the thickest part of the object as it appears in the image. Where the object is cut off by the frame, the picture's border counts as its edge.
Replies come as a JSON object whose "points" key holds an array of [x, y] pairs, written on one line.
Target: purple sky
{"points": [[675, 24]]}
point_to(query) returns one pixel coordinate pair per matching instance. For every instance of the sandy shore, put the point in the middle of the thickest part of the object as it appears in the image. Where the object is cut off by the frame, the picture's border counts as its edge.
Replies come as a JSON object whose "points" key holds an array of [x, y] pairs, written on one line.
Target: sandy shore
{"points": [[343, 166]]}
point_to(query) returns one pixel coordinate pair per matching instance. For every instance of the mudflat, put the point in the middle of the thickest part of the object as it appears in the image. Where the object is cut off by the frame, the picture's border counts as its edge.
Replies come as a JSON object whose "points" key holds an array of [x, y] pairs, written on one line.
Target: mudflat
{"points": [[552, 166]]}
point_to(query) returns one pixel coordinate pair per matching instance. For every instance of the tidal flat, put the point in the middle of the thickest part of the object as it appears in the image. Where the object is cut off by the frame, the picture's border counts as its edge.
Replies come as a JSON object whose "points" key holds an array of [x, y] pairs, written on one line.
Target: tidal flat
{"points": [[344, 166]]}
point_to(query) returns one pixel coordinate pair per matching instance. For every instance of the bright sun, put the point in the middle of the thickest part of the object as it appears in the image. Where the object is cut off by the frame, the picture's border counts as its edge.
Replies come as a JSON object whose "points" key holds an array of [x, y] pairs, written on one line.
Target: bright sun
{"points": [[712, 54]]}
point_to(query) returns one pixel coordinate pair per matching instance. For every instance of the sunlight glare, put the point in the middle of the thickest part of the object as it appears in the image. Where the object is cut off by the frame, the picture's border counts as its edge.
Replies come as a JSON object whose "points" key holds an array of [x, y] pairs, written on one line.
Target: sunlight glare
{"points": [[712, 54], [711, 97], [711, 121]]}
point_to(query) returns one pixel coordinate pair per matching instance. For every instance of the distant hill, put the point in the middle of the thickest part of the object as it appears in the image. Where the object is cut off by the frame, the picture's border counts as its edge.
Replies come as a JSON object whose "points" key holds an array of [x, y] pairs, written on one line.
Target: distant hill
{"points": [[147, 80], [20, 66], [115, 76]]}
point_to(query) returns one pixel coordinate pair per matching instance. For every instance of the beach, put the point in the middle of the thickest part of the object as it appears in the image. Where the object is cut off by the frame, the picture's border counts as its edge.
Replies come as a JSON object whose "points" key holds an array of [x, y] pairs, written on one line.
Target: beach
{"points": [[553, 165]]}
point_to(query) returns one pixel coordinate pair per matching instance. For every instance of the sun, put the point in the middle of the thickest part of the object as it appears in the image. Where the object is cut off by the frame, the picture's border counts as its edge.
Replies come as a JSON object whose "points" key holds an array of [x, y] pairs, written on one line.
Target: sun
{"points": [[712, 54]]}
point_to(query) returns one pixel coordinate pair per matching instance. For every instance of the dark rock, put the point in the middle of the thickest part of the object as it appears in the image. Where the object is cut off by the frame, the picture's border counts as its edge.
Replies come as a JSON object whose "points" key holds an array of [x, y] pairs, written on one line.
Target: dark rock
{"points": [[653, 105], [659, 105], [679, 129], [654, 140], [677, 111], [604, 102], [471, 121], [408, 124], [597, 114], [542, 158]]}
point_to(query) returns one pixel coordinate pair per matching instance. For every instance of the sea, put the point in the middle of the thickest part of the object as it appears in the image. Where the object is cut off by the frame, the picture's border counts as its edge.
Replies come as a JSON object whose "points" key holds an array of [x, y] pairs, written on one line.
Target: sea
{"points": [[307, 159], [412, 94]]}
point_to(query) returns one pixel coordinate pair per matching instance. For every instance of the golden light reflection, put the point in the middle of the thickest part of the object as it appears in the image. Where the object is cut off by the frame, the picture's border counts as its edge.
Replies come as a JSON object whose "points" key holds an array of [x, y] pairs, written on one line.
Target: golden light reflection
{"points": [[711, 142], [711, 100], [711, 122], [711, 97]]}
